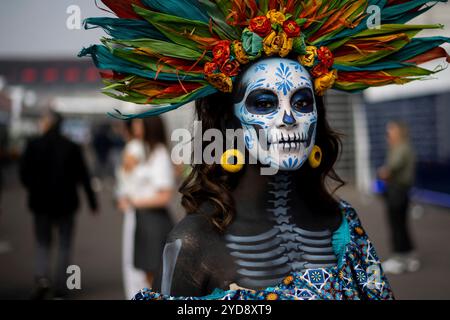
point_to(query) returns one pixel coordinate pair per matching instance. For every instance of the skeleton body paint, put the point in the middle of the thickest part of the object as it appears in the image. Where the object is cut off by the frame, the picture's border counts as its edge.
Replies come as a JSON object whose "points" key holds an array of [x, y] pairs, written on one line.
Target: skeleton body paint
{"points": [[278, 113], [265, 259]]}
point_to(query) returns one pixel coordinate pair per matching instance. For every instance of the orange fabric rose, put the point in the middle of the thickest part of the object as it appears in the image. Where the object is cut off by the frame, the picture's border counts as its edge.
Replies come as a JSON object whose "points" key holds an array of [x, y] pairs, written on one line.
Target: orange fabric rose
{"points": [[221, 51], [325, 82], [291, 28], [319, 70], [260, 25], [210, 67], [326, 56], [230, 68], [220, 81]]}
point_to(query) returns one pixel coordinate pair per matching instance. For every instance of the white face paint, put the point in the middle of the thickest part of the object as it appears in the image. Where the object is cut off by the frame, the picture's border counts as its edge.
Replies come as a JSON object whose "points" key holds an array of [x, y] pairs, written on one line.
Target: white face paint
{"points": [[279, 104]]}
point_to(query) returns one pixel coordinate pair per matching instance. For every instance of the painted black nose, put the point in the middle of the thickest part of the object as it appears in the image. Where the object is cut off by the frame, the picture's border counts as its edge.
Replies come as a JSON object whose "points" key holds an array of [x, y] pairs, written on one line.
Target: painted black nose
{"points": [[288, 119]]}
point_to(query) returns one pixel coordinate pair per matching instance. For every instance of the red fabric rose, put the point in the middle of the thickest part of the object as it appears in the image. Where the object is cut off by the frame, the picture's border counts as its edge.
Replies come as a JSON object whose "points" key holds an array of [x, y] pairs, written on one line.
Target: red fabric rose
{"points": [[210, 67], [230, 68], [291, 28], [260, 25], [325, 56], [319, 70], [221, 51]]}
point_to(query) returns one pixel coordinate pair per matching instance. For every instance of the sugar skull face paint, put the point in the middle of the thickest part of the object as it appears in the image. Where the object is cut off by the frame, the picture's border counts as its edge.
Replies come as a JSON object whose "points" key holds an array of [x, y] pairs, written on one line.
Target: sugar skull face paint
{"points": [[278, 113]]}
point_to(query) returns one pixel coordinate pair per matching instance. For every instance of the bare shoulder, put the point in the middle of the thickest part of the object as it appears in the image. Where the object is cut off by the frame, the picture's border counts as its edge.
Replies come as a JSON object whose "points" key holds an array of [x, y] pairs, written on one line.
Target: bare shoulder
{"points": [[194, 231]]}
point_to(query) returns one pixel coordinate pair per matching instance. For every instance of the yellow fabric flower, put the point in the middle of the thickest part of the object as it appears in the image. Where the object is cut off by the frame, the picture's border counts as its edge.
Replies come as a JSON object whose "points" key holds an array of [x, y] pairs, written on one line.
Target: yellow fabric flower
{"points": [[325, 82], [307, 60], [276, 17], [220, 81], [269, 45], [288, 280], [277, 44], [272, 296], [240, 53], [287, 45], [359, 231]]}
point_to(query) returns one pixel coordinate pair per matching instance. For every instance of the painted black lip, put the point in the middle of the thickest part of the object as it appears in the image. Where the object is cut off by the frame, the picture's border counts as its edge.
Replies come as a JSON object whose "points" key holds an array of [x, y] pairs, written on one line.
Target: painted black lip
{"points": [[287, 141], [290, 140]]}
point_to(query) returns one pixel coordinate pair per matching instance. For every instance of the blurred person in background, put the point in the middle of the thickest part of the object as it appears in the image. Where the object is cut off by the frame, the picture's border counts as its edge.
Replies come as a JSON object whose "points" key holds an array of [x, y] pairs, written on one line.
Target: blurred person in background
{"points": [[146, 180], [132, 156], [108, 142], [102, 144], [51, 168], [120, 135], [5, 246], [398, 174]]}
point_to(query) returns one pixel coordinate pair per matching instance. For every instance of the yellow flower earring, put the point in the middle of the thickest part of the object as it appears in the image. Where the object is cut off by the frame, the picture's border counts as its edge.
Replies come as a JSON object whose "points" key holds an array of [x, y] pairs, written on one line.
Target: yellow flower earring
{"points": [[315, 157], [232, 160]]}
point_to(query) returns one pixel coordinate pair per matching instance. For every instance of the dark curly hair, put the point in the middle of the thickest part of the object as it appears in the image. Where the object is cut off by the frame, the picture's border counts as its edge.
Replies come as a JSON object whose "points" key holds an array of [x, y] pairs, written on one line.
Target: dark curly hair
{"points": [[210, 184]]}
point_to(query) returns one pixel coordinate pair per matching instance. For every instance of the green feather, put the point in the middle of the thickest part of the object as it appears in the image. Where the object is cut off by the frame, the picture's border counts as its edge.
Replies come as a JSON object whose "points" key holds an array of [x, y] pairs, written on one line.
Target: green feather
{"points": [[162, 48], [152, 63], [176, 28], [222, 28]]}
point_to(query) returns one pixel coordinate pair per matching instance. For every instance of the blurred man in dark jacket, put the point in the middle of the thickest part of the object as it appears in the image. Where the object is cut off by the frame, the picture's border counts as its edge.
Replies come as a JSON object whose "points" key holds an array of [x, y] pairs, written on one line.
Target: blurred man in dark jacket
{"points": [[51, 169]]}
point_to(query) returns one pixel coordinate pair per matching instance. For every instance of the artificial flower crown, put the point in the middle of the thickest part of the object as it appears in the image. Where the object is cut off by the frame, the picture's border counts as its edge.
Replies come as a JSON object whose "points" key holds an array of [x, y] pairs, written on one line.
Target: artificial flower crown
{"points": [[169, 52], [273, 34]]}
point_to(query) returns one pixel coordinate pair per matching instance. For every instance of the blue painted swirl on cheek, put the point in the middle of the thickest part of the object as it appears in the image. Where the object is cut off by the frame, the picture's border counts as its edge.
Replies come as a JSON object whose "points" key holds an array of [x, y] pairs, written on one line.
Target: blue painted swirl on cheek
{"points": [[248, 142], [244, 117]]}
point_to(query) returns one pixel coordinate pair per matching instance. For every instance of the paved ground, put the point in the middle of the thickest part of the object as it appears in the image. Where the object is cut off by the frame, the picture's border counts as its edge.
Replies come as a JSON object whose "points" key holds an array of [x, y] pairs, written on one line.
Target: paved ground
{"points": [[98, 245]]}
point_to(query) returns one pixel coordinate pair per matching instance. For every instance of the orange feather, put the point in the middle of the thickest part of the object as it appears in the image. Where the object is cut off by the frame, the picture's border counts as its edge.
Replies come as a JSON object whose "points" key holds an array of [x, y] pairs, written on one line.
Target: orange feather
{"points": [[432, 54]]}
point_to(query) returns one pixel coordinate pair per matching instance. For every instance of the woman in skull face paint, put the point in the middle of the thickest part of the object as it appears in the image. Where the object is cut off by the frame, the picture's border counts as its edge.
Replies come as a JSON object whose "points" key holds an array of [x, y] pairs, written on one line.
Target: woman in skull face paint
{"points": [[280, 236], [253, 231]]}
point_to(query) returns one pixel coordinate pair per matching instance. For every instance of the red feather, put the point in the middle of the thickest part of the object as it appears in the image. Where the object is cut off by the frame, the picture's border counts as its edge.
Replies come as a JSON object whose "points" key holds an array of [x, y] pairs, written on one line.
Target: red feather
{"points": [[182, 64], [273, 4], [432, 54], [253, 7], [123, 8], [395, 2], [290, 6], [370, 78]]}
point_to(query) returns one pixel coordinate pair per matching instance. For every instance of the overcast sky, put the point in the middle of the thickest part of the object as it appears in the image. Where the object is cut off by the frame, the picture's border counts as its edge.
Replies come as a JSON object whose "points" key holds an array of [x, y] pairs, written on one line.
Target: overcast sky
{"points": [[37, 28]]}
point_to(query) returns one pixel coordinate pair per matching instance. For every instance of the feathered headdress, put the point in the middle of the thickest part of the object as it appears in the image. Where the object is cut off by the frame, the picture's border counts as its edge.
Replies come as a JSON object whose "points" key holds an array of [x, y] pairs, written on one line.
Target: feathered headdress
{"points": [[166, 53]]}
